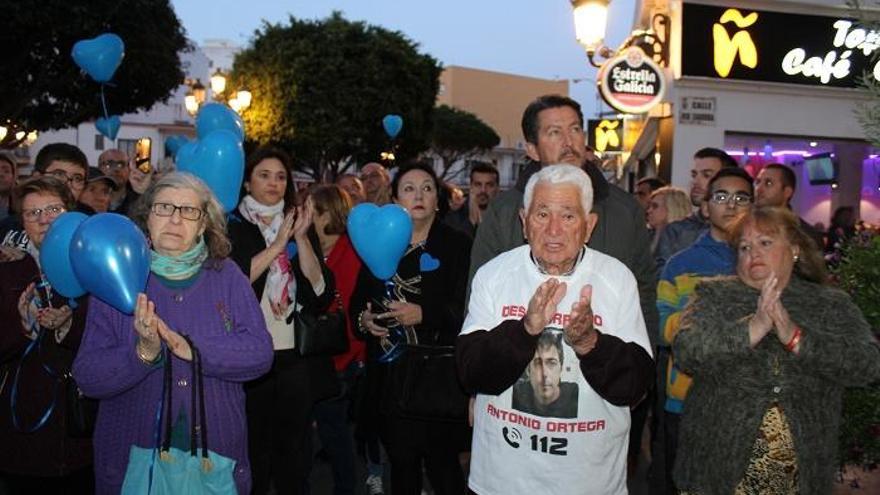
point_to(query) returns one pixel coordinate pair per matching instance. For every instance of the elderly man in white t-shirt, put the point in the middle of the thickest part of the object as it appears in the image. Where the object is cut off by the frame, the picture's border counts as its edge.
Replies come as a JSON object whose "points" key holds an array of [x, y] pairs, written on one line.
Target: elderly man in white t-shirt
{"points": [[555, 285]]}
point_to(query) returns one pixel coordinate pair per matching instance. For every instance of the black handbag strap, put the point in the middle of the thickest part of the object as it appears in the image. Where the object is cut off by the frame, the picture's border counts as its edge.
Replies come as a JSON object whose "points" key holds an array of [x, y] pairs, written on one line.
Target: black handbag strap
{"points": [[166, 402], [198, 426]]}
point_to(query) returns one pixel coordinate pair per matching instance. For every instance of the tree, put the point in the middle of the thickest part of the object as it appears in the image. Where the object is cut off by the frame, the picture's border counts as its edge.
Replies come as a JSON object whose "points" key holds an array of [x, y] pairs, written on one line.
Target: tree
{"points": [[868, 113], [459, 135], [44, 89], [322, 87]]}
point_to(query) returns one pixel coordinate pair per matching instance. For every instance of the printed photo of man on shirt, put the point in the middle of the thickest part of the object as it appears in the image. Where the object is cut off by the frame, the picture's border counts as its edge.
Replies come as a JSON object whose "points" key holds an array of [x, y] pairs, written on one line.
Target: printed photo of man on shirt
{"points": [[541, 390]]}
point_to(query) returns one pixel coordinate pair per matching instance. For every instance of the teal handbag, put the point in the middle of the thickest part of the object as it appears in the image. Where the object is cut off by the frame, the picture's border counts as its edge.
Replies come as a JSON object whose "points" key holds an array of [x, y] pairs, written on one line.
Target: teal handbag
{"points": [[172, 471]]}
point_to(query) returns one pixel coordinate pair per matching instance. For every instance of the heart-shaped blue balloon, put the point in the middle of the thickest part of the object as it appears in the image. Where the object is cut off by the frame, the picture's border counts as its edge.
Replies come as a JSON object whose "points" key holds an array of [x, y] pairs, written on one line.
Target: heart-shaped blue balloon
{"points": [[428, 263], [108, 127], [186, 152], [392, 124], [174, 142], [216, 116], [99, 57], [55, 254], [380, 236], [217, 159], [111, 259]]}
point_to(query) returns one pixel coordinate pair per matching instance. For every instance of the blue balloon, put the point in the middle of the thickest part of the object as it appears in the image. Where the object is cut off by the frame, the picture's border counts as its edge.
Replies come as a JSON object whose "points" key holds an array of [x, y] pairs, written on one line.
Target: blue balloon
{"points": [[216, 116], [380, 236], [99, 57], [174, 143], [55, 254], [108, 127], [111, 259], [186, 152], [392, 124], [217, 159]]}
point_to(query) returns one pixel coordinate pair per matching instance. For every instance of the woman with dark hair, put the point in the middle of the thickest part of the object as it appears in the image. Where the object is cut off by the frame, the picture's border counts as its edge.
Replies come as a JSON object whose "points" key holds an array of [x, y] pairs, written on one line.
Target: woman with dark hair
{"points": [[279, 404], [39, 337], [770, 351], [428, 303], [193, 290]]}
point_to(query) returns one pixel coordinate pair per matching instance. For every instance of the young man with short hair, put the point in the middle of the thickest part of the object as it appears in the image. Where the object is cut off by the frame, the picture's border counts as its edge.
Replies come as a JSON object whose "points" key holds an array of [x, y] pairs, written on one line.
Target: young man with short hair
{"points": [[682, 233], [483, 188]]}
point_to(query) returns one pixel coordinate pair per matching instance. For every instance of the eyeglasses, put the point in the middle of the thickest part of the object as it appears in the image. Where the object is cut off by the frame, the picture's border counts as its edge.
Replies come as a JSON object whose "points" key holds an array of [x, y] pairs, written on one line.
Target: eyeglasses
{"points": [[168, 209], [34, 214], [112, 164], [62, 175], [724, 197]]}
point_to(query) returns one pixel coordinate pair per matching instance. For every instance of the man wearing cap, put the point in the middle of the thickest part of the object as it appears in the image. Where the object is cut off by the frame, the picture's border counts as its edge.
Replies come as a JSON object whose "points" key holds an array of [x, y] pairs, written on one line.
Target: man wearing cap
{"points": [[99, 190]]}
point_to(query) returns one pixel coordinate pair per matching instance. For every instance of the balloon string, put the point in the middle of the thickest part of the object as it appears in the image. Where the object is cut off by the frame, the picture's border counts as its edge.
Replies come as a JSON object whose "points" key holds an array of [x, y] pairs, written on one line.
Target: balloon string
{"points": [[104, 103]]}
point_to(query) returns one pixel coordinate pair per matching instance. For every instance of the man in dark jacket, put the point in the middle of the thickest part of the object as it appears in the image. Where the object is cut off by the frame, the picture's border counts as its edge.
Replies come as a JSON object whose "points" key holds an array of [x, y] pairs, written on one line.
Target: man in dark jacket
{"points": [[775, 186], [554, 132], [483, 189]]}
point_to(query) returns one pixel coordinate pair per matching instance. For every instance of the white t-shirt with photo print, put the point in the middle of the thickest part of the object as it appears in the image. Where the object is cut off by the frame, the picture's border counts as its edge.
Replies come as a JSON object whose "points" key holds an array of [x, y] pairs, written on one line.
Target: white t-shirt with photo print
{"points": [[514, 452]]}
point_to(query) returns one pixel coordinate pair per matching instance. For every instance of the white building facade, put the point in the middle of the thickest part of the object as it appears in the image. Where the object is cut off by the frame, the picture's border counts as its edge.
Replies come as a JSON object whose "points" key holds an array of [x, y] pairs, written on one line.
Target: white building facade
{"points": [[157, 123]]}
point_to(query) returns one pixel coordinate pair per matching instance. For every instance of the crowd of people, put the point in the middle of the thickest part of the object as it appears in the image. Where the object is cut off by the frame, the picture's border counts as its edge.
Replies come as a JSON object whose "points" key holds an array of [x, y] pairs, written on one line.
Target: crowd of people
{"points": [[577, 314]]}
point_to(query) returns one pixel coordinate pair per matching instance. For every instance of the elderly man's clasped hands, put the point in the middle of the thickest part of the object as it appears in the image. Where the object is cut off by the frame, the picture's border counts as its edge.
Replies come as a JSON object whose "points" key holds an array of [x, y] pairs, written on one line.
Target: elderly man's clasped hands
{"points": [[579, 332]]}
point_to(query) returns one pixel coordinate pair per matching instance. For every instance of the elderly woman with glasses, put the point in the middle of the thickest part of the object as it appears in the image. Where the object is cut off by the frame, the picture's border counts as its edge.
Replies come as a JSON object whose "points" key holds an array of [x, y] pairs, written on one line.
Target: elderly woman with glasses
{"points": [[63, 161], [194, 289], [39, 336]]}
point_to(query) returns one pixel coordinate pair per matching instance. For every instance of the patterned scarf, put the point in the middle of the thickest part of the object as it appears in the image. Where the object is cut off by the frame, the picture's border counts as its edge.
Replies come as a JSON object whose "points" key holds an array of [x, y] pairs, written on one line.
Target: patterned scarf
{"points": [[179, 267], [280, 283]]}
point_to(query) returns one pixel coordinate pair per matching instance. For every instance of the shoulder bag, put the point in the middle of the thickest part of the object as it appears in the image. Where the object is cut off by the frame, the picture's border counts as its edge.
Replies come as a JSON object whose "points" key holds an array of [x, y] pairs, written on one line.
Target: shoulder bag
{"points": [[170, 471], [321, 334], [424, 384]]}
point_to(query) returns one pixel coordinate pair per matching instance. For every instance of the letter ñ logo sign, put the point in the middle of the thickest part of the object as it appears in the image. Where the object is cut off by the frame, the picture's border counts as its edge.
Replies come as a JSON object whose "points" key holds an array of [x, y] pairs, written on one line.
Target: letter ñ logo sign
{"points": [[727, 48], [606, 135]]}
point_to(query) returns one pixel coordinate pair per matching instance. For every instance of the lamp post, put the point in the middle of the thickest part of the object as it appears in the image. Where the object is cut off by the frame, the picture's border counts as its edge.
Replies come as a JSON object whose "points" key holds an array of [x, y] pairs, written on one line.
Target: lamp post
{"points": [[239, 101], [590, 20]]}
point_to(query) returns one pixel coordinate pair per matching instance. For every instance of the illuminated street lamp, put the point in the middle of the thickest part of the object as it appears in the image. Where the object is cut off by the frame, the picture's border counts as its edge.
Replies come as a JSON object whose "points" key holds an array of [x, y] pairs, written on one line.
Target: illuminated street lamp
{"points": [[218, 84], [590, 18], [191, 104], [244, 98], [196, 97]]}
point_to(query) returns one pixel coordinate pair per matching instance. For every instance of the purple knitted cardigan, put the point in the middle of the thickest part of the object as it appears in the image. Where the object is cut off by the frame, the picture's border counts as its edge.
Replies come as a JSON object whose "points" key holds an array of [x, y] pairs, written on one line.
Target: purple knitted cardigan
{"points": [[222, 316]]}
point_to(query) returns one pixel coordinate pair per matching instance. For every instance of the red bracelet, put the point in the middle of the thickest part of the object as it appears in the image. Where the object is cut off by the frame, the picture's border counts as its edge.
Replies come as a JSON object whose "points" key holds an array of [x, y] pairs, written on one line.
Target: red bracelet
{"points": [[795, 339]]}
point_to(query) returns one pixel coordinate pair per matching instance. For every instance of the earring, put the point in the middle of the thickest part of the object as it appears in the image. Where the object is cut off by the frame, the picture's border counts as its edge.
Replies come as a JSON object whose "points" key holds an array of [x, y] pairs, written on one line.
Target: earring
{"points": [[796, 258]]}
